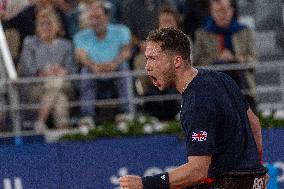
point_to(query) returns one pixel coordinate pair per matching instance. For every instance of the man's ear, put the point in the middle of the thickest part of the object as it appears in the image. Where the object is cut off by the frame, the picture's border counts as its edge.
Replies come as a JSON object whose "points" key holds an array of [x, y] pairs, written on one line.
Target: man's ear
{"points": [[177, 61]]}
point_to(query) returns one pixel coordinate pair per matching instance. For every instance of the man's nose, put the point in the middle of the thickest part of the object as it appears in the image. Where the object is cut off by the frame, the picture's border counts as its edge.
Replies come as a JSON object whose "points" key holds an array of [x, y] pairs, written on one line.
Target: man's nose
{"points": [[148, 66]]}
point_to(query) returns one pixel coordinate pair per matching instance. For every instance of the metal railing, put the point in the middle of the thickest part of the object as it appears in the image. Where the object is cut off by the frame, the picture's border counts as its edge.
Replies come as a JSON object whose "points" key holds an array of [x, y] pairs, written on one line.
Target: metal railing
{"points": [[132, 98]]}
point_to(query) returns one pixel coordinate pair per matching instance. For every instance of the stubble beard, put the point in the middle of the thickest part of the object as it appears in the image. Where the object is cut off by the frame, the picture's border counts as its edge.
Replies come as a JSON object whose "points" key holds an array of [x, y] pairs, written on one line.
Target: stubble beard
{"points": [[168, 79]]}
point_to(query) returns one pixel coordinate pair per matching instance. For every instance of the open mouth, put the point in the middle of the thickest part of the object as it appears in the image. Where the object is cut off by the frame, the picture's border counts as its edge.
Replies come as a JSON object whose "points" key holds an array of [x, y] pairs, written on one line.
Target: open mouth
{"points": [[154, 80]]}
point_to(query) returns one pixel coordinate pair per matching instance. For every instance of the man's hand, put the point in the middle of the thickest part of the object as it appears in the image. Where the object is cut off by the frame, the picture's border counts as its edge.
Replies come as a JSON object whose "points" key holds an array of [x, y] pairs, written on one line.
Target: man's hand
{"points": [[82, 57], [112, 66], [131, 182], [47, 72], [105, 67], [58, 70], [101, 68]]}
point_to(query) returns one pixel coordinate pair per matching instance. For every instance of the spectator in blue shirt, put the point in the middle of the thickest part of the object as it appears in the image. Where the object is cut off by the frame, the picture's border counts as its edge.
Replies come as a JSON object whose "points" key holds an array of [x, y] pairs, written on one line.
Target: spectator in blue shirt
{"points": [[103, 48]]}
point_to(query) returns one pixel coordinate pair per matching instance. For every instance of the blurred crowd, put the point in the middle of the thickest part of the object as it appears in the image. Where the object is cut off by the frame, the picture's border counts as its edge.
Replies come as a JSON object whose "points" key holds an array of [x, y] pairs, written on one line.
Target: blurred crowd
{"points": [[56, 38]]}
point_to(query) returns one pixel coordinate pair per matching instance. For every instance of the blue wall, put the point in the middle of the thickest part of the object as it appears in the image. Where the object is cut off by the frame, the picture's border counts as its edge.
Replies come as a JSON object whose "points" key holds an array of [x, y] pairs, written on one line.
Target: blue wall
{"points": [[98, 164]]}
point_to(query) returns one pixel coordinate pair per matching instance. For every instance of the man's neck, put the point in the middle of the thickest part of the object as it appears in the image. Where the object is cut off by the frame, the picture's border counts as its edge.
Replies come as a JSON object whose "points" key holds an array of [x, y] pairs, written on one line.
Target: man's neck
{"points": [[101, 34], [184, 78]]}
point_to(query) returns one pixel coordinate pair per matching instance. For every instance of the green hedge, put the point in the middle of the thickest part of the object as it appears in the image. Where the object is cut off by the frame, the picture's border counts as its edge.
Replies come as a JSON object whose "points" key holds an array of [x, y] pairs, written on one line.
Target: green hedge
{"points": [[142, 126], [270, 121], [138, 127]]}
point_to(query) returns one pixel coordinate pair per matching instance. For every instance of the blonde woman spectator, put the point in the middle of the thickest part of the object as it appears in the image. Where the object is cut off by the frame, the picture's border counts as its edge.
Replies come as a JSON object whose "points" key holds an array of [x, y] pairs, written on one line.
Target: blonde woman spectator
{"points": [[48, 55]]}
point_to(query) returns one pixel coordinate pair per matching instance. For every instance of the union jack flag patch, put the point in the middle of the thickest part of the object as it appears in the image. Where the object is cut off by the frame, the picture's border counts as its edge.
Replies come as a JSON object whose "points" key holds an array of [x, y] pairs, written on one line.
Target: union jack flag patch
{"points": [[199, 136]]}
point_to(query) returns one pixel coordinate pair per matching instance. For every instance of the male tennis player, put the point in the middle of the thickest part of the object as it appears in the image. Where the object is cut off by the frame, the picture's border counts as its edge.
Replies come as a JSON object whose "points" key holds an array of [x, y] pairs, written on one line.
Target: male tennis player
{"points": [[223, 135]]}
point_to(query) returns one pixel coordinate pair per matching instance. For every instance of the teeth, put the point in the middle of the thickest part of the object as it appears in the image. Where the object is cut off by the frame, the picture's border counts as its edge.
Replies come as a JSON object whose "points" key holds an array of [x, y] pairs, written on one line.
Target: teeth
{"points": [[154, 80]]}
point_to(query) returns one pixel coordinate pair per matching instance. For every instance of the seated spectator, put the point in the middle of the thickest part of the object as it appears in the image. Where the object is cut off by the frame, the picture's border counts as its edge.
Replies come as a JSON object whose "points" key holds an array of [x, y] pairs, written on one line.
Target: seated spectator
{"points": [[102, 48], [141, 16], [76, 13], [223, 40], [48, 55], [195, 11], [168, 17], [74, 9], [24, 21], [195, 14]]}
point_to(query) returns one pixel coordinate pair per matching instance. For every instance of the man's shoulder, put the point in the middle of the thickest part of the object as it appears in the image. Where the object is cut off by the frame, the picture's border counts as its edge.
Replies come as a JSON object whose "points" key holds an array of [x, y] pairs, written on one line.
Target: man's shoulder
{"points": [[213, 77], [118, 28], [203, 32], [207, 82], [31, 40], [84, 33], [244, 31], [206, 75]]}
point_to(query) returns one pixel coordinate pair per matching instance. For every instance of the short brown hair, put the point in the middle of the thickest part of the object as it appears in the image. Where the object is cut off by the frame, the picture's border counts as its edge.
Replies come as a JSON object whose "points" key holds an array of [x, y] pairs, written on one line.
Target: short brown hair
{"points": [[173, 40]]}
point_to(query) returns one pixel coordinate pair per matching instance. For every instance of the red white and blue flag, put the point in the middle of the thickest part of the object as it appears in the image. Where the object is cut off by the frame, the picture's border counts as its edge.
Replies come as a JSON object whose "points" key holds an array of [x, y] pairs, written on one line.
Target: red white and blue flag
{"points": [[199, 136]]}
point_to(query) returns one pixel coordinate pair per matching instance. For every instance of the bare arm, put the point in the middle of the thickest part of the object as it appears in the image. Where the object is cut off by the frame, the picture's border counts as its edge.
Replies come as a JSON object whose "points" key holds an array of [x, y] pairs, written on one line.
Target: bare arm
{"points": [[256, 128], [190, 173], [124, 54], [84, 59], [185, 175]]}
